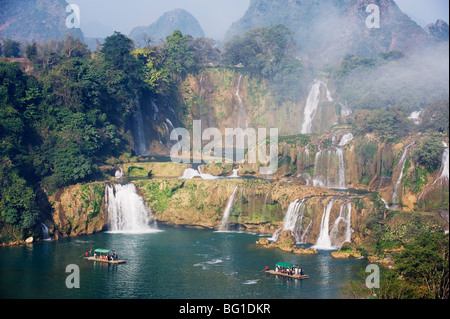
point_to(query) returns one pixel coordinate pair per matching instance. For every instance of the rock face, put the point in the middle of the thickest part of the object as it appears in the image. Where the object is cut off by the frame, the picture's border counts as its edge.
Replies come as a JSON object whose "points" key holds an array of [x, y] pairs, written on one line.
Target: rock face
{"points": [[178, 19], [438, 31], [34, 20], [79, 209]]}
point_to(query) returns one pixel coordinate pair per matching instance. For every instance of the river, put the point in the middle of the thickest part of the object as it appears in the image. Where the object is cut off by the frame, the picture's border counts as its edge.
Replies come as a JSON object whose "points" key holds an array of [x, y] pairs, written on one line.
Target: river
{"points": [[173, 263]]}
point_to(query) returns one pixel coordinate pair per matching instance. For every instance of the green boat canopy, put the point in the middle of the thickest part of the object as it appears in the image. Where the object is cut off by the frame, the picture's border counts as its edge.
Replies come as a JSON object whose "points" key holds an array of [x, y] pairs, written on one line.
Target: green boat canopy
{"points": [[102, 251], [284, 265]]}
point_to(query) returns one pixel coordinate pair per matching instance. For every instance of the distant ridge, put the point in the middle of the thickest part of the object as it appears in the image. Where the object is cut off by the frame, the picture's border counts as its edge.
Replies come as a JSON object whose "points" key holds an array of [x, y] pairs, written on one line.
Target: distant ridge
{"points": [[177, 19]]}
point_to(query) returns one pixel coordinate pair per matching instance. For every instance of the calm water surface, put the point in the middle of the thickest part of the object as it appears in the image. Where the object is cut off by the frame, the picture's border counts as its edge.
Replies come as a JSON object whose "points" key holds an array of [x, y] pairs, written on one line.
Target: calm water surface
{"points": [[173, 263]]}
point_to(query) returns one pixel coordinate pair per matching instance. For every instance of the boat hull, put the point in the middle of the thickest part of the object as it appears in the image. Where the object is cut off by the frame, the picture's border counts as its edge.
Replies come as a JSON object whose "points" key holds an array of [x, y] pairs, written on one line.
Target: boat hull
{"points": [[273, 272], [105, 261]]}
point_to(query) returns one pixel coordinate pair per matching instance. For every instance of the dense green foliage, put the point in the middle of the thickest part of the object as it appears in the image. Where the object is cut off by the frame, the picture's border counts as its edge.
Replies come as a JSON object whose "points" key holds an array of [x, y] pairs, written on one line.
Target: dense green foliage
{"points": [[11, 48], [421, 272]]}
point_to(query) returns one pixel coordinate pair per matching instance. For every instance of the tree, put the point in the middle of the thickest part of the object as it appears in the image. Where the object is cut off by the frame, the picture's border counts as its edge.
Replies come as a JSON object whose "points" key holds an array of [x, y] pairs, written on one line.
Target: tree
{"points": [[31, 51], [429, 153], [179, 58], [424, 265], [435, 117], [205, 51], [17, 201], [11, 48]]}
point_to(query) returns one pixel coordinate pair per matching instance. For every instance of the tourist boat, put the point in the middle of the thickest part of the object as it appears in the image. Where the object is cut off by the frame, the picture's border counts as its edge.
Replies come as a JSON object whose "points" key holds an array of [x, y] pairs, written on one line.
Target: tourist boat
{"points": [[105, 256], [287, 270]]}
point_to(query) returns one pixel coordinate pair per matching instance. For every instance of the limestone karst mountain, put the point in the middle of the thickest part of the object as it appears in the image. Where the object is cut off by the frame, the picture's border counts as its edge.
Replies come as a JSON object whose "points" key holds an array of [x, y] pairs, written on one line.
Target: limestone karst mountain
{"points": [[327, 30], [177, 19]]}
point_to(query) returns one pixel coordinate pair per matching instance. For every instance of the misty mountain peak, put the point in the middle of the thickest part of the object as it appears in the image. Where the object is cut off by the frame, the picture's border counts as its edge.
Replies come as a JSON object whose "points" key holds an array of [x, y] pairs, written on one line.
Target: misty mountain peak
{"points": [[438, 30], [177, 19]]}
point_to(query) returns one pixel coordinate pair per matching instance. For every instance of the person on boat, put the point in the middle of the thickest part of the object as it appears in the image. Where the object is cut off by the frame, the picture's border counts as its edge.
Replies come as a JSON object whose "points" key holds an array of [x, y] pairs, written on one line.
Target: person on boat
{"points": [[267, 268]]}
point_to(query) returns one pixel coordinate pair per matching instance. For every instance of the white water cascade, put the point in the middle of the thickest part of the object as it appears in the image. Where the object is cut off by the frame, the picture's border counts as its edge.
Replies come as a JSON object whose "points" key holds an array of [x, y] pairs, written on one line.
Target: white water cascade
{"points": [[45, 232], [324, 240], [329, 166], [224, 225], [234, 174], [312, 103], [293, 221], [119, 173], [127, 212], [242, 115], [345, 216], [190, 173], [400, 166], [443, 174], [139, 135]]}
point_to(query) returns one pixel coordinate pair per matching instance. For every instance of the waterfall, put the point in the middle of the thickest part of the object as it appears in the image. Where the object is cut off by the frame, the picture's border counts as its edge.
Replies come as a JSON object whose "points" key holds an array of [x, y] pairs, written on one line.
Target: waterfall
{"points": [[345, 216], [119, 173], [127, 212], [444, 171], [329, 165], [345, 139], [324, 240], [226, 214], [155, 110], [312, 103], [190, 173], [400, 166], [242, 116], [139, 135], [415, 117], [444, 175], [293, 221], [345, 110], [329, 169], [45, 232], [234, 174]]}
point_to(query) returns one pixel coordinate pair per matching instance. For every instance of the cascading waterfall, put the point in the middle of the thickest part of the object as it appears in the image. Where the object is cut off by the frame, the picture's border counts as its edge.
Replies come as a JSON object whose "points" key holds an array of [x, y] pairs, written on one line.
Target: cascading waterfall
{"points": [[242, 116], [234, 174], [400, 166], [139, 135], [127, 212], [345, 216], [45, 232], [190, 173], [329, 166], [324, 240], [224, 226], [293, 222], [312, 103], [119, 173], [443, 174]]}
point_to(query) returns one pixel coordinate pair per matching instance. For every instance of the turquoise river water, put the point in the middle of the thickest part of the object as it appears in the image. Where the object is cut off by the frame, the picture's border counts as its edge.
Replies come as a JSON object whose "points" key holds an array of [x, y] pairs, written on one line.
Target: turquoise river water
{"points": [[173, 263]]}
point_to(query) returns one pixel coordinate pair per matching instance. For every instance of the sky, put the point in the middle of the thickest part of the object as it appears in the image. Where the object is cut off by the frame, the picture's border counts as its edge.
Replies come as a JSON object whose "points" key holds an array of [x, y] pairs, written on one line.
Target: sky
{"points": [[214, 16]]}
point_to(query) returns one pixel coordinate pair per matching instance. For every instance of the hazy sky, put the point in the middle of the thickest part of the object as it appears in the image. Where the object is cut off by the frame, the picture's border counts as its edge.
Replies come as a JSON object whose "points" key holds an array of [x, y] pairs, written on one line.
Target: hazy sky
{"points": [[215, 16]]}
